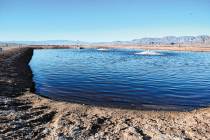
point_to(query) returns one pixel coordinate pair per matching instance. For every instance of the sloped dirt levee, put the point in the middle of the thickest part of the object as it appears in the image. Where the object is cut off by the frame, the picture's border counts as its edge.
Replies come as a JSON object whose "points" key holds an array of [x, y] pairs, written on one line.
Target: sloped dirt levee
{"points": [[18, 118]]}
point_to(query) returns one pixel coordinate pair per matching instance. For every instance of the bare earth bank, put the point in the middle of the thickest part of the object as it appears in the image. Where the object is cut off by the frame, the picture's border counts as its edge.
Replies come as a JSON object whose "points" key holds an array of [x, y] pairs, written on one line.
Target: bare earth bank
{"points": [[25, 115]]}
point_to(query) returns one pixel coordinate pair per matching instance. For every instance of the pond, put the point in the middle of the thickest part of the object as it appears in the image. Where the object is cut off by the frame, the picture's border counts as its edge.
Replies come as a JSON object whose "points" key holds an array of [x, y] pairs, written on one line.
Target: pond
{"points": [[124, 78]]}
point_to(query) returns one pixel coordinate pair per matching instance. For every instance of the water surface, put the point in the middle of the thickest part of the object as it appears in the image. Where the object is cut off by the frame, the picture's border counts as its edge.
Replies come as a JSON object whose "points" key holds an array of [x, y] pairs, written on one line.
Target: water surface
{"points": [[124, 78]]}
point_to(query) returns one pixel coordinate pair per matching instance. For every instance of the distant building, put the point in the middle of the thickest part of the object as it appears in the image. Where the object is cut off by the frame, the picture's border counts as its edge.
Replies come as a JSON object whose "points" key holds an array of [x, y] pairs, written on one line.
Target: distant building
{"points": [[1, 49]]}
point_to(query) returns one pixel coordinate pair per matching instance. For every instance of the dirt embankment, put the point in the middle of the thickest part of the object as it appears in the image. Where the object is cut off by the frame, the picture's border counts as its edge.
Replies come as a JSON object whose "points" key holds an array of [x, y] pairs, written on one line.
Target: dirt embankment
{"points": [[18, 117], [24, 115]]}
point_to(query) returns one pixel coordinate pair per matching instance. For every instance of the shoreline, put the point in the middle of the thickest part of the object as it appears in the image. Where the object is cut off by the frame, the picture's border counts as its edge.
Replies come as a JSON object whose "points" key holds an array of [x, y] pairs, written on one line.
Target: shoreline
{"points": [[144, 107], [192, 48], [25, 115]]}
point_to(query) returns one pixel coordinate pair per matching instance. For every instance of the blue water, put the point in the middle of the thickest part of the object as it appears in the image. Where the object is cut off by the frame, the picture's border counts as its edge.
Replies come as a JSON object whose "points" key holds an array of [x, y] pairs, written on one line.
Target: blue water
{"points": [[124, 78]]}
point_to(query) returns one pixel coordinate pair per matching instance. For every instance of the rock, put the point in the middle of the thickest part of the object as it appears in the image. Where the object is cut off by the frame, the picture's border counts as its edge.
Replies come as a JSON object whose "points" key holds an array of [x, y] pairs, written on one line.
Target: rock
{"points": [[46, 131], [131, 134]]}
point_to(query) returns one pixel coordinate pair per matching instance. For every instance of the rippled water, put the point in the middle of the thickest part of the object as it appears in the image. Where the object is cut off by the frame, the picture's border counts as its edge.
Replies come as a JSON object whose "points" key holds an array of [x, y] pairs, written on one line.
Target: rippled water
{"points": [[124, 78]]}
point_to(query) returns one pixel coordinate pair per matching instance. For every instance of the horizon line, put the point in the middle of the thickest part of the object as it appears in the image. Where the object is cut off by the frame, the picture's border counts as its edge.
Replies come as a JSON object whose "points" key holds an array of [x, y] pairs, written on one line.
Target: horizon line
{"points": [[77, 40]]}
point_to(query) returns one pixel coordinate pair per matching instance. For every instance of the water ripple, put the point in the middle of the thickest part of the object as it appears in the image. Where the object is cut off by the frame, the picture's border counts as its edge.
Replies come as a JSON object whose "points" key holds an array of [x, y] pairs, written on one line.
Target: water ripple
{"points": [[127, 78]]}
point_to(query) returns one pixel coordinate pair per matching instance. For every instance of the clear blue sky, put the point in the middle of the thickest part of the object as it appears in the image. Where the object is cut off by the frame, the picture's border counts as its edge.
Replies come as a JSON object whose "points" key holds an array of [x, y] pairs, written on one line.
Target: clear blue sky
{"points": [[102, 20]]}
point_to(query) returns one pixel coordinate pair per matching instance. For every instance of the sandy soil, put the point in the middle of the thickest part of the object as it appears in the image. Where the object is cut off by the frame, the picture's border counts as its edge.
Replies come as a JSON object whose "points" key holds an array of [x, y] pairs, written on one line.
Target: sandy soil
{"points": [[25, 115]]}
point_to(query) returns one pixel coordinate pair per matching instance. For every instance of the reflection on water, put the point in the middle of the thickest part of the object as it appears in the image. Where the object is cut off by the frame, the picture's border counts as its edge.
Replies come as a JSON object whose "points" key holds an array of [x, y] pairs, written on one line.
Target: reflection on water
{"points": [[123, 77]]}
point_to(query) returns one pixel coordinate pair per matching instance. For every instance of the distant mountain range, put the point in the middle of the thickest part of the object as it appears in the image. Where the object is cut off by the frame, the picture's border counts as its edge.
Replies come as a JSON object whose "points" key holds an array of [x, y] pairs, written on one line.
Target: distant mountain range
{"points": [[168, 40], [203, 39], [173, 40], [7, 44], [48, 42]]}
